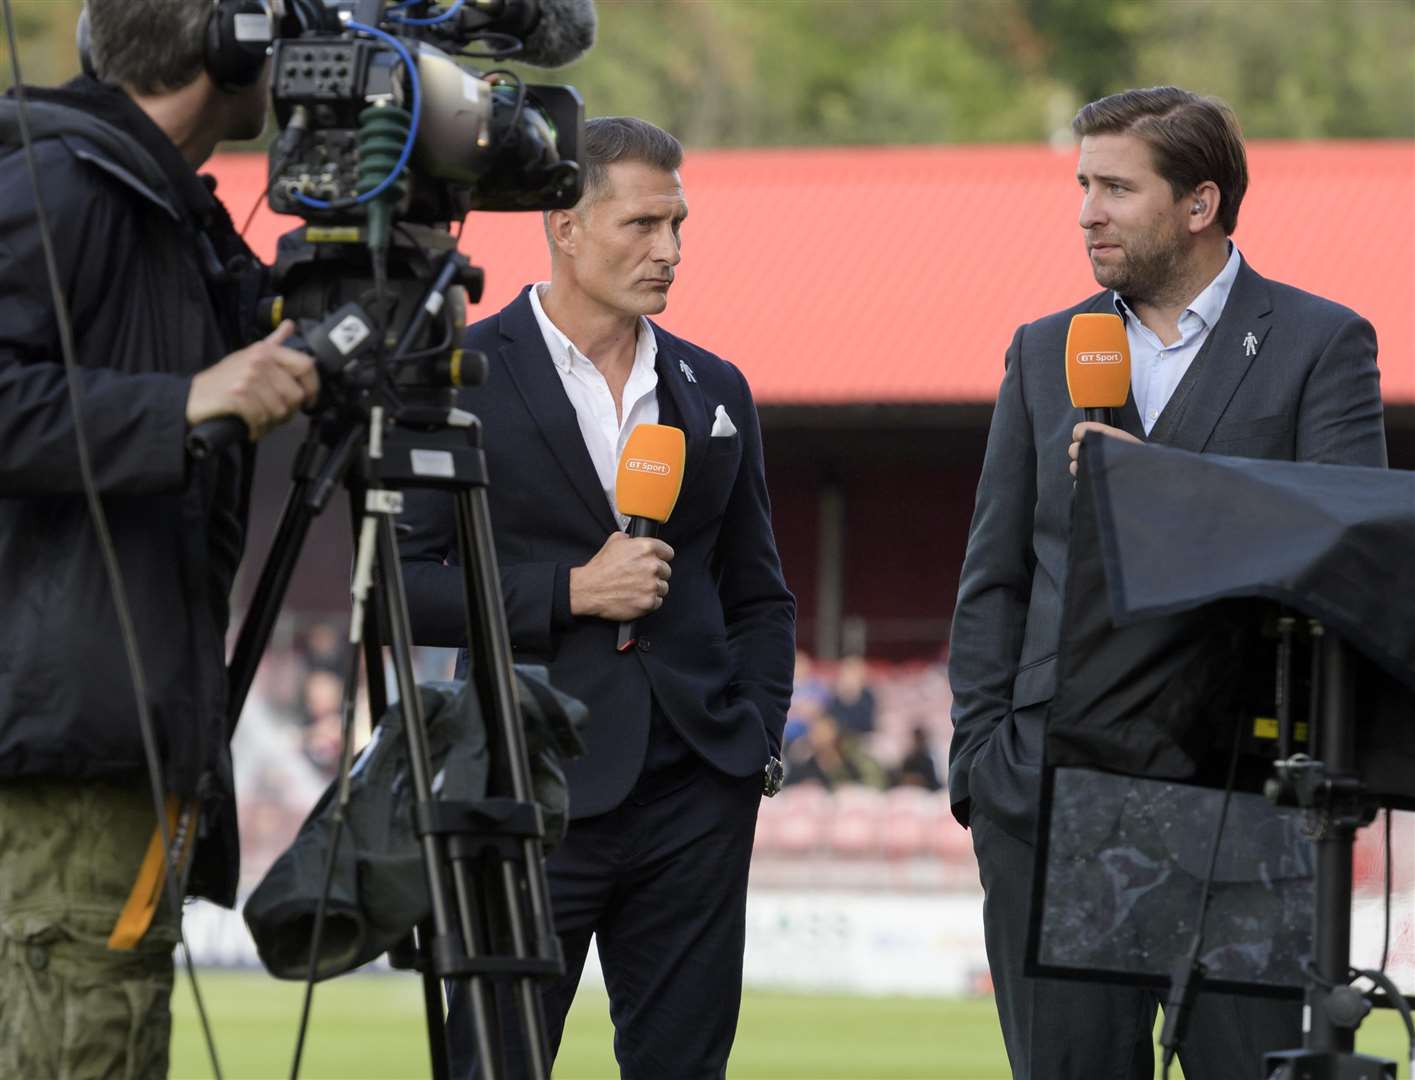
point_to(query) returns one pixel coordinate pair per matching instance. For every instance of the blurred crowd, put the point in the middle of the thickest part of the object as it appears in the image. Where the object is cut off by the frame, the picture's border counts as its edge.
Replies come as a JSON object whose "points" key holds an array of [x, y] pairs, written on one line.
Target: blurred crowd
{"points": [[849, 726], [855, 728]]}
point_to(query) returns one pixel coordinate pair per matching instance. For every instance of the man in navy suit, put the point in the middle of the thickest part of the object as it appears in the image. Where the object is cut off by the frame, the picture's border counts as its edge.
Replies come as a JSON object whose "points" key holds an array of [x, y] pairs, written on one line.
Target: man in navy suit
{"points": [[1224, 361], [684, 729]]}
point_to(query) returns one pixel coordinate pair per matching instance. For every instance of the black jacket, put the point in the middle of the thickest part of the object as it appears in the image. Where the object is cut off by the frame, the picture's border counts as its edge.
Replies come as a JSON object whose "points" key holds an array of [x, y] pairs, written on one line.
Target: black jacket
{"points": [[717, 656], [154, 278]]}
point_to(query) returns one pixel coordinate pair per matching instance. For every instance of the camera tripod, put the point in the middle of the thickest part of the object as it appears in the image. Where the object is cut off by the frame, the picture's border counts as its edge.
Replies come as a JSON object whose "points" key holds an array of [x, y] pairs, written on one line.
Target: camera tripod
{"points": [[491, 920], [1331, 788]]}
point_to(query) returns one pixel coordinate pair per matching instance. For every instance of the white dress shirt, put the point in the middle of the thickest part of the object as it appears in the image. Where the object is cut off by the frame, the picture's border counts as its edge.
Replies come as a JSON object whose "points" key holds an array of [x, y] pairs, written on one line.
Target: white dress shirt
{"points": [[593, 401], [1156, 368]]}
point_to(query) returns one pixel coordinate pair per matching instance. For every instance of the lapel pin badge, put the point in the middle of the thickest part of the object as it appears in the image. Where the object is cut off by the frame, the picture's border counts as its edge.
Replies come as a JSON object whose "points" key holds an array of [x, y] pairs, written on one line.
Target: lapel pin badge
{"points": [[687, 371], [1250, 344]]}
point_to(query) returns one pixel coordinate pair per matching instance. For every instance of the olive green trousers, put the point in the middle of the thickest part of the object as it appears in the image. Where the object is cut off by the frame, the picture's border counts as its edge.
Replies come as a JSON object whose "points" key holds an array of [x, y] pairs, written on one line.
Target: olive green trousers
{"points": [[70, 1007]]}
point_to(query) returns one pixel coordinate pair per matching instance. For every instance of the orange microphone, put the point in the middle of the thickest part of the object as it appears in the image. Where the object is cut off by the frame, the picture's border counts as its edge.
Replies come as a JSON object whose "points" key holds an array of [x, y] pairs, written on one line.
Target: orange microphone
{"points": [[1098, 365], [646, 489]]}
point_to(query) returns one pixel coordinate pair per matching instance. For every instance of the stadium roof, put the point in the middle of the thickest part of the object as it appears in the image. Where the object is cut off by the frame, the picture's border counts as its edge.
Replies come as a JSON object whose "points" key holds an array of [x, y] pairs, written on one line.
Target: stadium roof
{"points": [[897, 275]]}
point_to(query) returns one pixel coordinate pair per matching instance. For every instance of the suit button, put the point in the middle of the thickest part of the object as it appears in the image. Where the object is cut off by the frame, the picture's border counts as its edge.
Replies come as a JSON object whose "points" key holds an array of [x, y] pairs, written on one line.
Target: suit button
{"points": [[645, 644]]}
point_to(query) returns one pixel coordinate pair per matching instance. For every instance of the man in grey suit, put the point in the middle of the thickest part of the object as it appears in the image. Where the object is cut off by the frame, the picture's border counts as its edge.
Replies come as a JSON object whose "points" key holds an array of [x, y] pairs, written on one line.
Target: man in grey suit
{"points": [[1223, 361]]}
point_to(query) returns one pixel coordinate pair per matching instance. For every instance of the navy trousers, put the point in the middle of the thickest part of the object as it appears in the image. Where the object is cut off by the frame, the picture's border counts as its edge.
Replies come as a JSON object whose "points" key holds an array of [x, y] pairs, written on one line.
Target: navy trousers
{"points": [[661, 881]]}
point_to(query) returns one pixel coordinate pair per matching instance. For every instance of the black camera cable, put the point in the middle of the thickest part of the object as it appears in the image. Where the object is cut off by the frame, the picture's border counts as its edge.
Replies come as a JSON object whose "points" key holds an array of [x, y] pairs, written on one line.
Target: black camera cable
{"points": [[100, 525], [509, 132], [1385, 935], [346, 760], [502, 46], [1397, 1002], [286, 146]]}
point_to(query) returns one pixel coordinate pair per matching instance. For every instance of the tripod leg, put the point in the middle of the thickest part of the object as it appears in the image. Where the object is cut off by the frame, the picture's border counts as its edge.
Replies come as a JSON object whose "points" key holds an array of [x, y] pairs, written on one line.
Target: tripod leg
{"points": [[432, 1008], [275, 575], [489, 642], [374, 617], [301, 505], [446, 940], [1332, 944]]}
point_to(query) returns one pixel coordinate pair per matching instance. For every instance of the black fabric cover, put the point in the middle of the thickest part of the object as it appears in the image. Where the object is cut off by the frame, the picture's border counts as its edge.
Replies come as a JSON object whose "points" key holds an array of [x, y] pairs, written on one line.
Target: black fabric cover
{"points": [[1176, 560], [379, 888]]}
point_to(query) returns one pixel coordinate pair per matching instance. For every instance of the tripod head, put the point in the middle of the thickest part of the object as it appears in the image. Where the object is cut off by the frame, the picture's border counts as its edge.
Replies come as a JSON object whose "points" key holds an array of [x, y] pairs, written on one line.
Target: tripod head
{"points": [[385, 335]]}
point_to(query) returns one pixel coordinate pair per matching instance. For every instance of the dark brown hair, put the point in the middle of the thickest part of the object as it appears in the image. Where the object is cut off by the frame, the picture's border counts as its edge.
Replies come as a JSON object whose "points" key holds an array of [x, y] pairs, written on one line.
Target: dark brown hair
{"points": [[1192, 139], [624, 138]]}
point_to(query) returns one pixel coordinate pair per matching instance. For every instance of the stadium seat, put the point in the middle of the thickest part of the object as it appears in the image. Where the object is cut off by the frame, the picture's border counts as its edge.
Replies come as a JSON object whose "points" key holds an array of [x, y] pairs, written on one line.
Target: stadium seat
{"points": [[855, 824], [798, 815], [907, 822]]}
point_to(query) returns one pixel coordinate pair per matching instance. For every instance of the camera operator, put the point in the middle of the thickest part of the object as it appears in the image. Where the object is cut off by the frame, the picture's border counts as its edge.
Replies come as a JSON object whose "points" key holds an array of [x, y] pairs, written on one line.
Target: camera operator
{"points": [[158, 287]]}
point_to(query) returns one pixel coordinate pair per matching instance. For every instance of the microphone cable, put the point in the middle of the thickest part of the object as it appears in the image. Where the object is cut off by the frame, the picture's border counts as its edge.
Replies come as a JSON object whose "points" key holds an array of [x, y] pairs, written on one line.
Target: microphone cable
{"points": [[341, 805], [1385, 935], [100, 524], [1189, 972], [287, 144]]}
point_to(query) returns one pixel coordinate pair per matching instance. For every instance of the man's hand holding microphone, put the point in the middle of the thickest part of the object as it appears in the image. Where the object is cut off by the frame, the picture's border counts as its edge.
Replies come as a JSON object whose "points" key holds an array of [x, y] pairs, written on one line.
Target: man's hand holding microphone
{"points": [[1097, 376], [628, 576]]}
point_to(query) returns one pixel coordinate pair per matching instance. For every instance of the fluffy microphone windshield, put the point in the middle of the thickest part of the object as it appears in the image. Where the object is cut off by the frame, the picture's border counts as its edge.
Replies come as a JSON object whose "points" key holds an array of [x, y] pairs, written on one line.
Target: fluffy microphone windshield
{"points": [[563, 32]]}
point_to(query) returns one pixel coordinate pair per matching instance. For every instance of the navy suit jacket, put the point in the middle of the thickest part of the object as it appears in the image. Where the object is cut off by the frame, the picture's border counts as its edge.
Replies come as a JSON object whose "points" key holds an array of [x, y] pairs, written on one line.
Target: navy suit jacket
{"points": [[718, 655], [1290, 377]]}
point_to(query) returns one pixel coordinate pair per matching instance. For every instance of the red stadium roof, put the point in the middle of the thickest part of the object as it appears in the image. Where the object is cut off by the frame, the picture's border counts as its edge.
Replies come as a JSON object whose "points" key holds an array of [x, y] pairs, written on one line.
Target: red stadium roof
{"points": [[865, 275]]}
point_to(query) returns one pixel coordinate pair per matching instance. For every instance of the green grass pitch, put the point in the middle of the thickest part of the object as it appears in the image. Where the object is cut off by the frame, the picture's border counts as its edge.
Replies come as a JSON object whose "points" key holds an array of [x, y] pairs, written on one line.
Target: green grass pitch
{"points": [[370, 1027]]}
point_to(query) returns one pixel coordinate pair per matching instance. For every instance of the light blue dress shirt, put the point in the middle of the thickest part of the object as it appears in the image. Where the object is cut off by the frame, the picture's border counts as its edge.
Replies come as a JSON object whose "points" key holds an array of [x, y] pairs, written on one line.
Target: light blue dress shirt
{"points": [[1156, 368]]}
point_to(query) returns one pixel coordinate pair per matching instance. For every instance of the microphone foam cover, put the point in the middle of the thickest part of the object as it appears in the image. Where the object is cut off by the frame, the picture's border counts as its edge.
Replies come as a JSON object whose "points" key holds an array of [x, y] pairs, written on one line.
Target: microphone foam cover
{"points": [[1097, 361], [562, 34], [650, 472]]}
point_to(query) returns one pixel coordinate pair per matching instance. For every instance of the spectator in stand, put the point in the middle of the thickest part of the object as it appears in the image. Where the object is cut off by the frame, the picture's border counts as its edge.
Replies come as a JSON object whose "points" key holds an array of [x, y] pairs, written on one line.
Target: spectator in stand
{"points": [[324, 647], [808, 696], [917, 768], [853, 703], [323, 701], [824, 757]]}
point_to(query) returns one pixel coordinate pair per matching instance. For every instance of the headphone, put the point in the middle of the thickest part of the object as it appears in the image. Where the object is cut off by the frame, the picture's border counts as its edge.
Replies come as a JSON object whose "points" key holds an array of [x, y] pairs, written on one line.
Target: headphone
{"points": [[238, 36], [1198, 207]]}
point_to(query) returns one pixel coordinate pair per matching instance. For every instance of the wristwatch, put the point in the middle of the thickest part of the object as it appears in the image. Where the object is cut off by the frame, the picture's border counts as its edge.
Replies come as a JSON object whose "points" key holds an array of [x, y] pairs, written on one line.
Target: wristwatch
{"points": [[773, 776]]}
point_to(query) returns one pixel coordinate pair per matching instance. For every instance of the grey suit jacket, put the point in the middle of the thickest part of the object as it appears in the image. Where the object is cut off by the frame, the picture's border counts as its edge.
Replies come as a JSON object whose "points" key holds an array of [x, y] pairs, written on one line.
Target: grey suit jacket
{"points": [[1309, 391]]}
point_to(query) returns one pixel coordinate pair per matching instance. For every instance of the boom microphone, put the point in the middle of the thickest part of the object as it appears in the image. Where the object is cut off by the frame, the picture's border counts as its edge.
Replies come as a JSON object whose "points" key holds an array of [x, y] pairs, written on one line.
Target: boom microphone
{"points": [[555, 32], [646, 489], [563, 32], [1098, 365]]}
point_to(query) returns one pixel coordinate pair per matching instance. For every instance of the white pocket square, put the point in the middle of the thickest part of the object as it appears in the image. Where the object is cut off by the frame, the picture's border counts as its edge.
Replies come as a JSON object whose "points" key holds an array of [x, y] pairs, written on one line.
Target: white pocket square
{"points": [[722, 425]]}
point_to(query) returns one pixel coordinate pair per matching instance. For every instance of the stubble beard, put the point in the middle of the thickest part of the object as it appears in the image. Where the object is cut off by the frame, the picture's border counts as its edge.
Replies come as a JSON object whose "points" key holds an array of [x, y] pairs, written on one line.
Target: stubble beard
{"points": [[1150, 271]]}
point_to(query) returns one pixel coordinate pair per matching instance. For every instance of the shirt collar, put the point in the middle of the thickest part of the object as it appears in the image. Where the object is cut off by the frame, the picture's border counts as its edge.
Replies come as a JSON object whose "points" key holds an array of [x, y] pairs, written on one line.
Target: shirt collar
{"points": [[562, 350], [1209, 304]]}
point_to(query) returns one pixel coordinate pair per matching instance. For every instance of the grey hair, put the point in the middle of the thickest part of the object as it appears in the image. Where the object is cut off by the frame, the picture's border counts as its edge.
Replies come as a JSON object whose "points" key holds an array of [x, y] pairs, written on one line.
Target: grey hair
{"points": [[609, 139], [153, 46]]}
